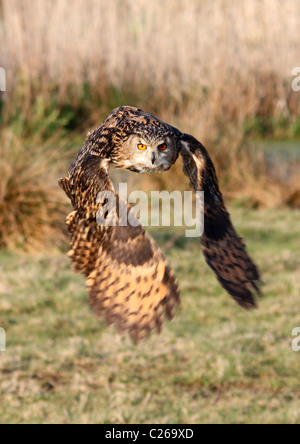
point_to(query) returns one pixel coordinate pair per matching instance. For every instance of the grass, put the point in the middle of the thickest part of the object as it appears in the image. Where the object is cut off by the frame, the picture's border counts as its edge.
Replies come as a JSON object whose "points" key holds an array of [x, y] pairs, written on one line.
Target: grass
{"points": [[31, 203], [213, 363]]}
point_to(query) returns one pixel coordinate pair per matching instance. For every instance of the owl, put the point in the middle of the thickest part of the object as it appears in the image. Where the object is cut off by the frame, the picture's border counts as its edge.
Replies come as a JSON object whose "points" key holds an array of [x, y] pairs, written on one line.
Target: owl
{"points": [[128, 279]]}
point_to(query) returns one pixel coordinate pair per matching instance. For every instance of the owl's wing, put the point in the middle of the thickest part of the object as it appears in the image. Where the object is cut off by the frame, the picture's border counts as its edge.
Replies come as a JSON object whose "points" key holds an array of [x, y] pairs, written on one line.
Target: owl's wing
{"points": [[224, 250], [128, 279]]}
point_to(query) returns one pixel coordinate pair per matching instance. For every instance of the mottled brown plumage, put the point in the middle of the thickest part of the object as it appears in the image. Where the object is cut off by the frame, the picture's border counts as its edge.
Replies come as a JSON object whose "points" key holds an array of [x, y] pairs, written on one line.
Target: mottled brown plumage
{"points": [[128, 279], [223, 249]]}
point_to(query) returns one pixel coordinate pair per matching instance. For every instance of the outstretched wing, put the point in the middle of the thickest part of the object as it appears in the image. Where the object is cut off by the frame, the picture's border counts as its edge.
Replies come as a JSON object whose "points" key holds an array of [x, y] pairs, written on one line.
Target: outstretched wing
{"points": [[224, 250], [128, 279]]}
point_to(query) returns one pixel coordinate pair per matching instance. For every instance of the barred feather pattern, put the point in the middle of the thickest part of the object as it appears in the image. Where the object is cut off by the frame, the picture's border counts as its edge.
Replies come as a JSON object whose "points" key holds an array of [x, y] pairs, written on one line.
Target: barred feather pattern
{"points": [[128, 280], [223, 249]]}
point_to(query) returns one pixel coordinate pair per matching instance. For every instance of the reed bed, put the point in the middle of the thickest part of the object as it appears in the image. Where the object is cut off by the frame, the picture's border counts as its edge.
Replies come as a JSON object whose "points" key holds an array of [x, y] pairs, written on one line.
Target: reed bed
{"points": [[217, 69], [219, 60]]}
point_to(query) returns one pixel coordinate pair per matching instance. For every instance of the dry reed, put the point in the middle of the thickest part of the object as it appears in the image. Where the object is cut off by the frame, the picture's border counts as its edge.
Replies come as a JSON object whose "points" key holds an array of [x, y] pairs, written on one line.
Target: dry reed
{"points": [[218, 61], [208, 67]]}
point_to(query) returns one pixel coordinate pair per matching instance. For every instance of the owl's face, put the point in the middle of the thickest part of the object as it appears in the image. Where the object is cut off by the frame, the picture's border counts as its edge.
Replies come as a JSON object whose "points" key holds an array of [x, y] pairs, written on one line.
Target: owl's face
{"points": [[143, 154]]}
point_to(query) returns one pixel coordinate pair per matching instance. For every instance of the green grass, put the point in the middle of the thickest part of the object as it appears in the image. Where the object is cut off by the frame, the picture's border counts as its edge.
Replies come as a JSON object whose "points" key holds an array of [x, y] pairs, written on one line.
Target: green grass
{"points": [[213, 363]]}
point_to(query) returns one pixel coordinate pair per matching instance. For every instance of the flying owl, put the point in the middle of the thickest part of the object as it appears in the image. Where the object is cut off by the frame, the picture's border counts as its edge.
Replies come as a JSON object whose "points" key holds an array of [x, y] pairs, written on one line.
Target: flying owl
{"points": [[129, 281]]}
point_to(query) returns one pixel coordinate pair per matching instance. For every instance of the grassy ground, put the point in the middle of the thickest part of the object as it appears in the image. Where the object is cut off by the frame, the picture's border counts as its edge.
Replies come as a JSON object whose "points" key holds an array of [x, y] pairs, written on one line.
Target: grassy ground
{"points": [[212, 363]]}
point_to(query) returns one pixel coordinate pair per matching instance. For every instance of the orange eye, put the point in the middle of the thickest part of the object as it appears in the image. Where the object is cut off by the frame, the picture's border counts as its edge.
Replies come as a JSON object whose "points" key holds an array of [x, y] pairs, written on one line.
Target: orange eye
{"points": [[142, 147], [162, 147]]}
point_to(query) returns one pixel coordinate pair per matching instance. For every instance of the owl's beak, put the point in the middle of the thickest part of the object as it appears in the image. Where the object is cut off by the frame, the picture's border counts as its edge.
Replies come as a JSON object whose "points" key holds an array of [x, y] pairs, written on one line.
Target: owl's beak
{"points": [[153, 158]]}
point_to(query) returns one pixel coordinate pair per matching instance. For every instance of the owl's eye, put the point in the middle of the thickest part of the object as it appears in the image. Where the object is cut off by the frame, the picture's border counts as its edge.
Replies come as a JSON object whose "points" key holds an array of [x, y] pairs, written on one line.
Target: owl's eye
{"points": [[142, 147], [162, 147]]}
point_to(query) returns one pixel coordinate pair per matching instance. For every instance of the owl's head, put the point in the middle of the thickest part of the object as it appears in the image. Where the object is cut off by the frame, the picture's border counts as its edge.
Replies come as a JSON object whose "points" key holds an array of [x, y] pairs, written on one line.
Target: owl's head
{"points": [[143, 154], [135, 140], [145, 143]]}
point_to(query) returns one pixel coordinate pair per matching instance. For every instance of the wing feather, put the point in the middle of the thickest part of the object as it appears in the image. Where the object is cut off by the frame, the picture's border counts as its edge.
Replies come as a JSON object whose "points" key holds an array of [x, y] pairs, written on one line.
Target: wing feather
{"points": [[224, 250], [128, 279]]}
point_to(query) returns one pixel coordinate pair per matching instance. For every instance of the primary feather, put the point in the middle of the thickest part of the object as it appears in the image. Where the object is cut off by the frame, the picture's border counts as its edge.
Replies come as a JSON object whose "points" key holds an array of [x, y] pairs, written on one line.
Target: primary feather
{"points": [[223, 249]]}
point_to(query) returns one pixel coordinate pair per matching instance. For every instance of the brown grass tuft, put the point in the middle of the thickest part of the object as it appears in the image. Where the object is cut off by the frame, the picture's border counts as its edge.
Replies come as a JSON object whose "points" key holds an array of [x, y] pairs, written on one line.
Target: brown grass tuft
{"points": [[31, 205]]}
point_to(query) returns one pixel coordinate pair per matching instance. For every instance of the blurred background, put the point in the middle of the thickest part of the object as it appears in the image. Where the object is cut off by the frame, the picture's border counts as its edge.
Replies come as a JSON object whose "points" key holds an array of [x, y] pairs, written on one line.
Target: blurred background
{"points": [[219, 70]]}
